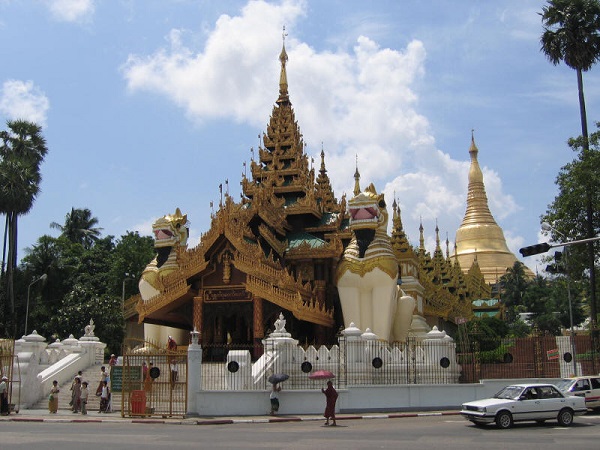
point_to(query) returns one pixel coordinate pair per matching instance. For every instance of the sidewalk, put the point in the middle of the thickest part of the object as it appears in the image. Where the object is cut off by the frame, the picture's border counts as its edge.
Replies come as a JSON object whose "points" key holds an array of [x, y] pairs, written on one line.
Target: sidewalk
{"points": [[39, 415]]}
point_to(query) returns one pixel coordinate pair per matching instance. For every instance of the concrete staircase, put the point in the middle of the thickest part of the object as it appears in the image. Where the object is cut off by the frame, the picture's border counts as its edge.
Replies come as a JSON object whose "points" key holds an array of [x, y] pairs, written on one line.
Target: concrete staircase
{"points": [[92, 376]]}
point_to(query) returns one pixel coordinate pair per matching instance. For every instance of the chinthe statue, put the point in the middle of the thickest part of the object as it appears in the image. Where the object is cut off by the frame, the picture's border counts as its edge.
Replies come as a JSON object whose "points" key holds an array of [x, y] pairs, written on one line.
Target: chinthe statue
{"points": [[367, 276]]}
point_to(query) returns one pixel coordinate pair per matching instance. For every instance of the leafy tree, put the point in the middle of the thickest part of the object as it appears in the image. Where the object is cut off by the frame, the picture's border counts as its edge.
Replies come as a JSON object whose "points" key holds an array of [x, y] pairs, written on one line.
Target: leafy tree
{"points": [[84, 282], [572, 35], [513, 285], [487, 332], [22, 151], [80, 227], [130, 256], [568, 212]]}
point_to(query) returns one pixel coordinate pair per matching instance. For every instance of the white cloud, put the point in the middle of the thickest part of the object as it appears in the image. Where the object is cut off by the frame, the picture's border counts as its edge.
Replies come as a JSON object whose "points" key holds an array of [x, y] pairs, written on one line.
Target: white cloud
{"points": [[144, 228], [359, 102], [23, 100], [72, 10]]}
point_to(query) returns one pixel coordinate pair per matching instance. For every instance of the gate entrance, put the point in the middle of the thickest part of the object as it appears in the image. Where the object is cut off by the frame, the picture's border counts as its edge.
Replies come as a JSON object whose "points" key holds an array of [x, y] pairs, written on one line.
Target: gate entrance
{"points": [[153, 381]]}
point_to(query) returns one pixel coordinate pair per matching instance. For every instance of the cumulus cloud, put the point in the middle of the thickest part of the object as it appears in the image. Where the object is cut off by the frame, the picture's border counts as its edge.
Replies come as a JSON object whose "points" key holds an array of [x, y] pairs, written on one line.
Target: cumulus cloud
{"points": [[72, 10], [360, 103], [23, 100]]}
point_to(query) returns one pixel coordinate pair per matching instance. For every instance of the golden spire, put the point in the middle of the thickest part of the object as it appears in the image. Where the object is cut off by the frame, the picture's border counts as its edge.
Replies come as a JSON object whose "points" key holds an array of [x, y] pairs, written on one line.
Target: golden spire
{"points": [[283, 84], [479, 239], [356, 179], [478, 211]]}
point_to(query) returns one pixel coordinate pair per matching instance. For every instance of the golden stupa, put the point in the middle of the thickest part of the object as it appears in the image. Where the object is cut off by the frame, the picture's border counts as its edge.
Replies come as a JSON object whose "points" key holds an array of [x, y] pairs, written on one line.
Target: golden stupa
{"points": [[479, 238]]}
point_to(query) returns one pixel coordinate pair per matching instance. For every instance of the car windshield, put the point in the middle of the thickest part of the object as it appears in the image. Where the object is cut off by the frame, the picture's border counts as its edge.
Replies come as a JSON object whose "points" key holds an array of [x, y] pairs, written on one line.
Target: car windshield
{"points": [[564, 385], [509, 392]]}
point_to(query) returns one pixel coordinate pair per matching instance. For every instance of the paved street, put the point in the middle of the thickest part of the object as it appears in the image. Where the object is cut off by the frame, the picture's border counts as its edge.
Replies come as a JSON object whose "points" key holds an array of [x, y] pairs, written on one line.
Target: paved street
{"points": [[424, 432]]}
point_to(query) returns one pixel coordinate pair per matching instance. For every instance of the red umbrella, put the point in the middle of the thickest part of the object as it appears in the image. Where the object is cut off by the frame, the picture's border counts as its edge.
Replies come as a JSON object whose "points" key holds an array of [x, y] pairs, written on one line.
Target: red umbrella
{"points": [[321, 375]]}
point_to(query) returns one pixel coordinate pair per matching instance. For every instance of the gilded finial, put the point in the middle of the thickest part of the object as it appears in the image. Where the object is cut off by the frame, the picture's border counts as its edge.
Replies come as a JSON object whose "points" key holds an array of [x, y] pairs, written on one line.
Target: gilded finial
{"points": [[283, 84], [356, 179]]}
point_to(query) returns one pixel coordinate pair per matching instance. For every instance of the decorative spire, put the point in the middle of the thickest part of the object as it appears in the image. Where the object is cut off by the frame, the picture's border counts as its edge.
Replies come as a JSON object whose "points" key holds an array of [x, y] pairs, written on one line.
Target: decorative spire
{"points": [[478, 211], [356, 179], [324, 190], [479, 239], [283, 84]]}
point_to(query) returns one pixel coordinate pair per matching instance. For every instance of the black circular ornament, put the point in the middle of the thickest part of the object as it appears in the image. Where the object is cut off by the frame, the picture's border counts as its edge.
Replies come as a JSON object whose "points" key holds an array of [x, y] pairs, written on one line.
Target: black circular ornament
{"points": [[233, 366], [306, 367]]}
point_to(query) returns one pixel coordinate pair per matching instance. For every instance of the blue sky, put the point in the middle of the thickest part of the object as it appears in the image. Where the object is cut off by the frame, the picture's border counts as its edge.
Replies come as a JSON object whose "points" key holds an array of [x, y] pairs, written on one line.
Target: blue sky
{"points": [[150, 105]]}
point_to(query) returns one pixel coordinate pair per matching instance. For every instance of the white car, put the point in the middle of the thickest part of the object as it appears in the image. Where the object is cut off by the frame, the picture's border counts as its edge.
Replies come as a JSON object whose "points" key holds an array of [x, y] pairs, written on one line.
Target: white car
{"points": [[584, 386], [520, 402]]}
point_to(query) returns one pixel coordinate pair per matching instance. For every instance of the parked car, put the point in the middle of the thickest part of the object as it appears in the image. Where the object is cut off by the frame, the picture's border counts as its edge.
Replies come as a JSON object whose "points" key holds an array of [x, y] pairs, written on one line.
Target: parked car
{"points": [[521, 402], [584, 386]]}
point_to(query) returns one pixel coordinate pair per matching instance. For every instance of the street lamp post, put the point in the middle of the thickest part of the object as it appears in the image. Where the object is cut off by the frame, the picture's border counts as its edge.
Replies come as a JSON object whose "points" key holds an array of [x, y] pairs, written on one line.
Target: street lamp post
{"points": [[41, 278], [547, 227], [128, 276]]}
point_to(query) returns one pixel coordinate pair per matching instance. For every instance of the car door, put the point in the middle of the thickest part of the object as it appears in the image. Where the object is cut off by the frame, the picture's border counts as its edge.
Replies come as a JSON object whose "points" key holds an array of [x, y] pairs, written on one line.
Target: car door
{"points": [[582, 388], [592, 399], [529, 406], [550, 402]]}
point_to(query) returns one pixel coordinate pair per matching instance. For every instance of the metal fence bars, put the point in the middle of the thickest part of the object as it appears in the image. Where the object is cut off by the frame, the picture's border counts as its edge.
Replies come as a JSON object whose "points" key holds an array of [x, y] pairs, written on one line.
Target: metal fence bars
{"points": [[351, 362], [374, 362], [241, 368], [8, 361], [527, 357], [153, 383]]}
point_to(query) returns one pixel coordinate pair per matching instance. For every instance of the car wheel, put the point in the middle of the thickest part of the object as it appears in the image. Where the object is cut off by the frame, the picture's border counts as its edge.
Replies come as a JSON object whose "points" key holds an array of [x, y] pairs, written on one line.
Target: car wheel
{"points": [[504, 420], [565, 417]]}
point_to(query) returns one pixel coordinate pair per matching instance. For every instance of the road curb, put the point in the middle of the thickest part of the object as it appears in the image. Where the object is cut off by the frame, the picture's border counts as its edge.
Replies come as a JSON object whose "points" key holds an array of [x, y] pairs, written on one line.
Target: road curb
{"points": [[223, 421]]}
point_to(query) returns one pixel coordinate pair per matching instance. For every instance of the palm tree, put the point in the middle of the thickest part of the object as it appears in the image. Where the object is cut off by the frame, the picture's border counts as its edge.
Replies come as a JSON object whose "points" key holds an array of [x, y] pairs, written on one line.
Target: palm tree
{"points": [[21, 152], [79, 227], [572, 35]]}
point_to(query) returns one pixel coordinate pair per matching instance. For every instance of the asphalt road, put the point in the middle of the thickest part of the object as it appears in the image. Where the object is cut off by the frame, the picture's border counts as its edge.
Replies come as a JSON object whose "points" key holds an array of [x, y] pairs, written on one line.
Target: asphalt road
{"points": [[422, 433]]}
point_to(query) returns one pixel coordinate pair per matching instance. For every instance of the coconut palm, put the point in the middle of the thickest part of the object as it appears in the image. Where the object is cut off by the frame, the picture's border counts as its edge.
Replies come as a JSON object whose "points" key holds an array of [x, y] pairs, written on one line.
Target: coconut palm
{"points": [[79, 227], [572, 35], [22, 150]]}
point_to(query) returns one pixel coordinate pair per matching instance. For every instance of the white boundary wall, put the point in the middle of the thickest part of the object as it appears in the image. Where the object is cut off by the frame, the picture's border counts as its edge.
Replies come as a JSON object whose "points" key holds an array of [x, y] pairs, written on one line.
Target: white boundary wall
{"points": [[414, 397]]}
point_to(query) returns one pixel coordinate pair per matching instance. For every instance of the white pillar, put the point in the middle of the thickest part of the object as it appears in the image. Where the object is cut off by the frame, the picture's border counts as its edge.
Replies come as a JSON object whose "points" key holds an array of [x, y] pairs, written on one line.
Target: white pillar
{"points": [[194, 381]]}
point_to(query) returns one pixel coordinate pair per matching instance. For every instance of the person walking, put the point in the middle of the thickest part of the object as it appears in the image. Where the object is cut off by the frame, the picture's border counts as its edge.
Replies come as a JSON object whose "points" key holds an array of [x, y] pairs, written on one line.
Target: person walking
{"points": [[274, 398], [84, 397], [53, 398], [331, 396], [4, 396]]}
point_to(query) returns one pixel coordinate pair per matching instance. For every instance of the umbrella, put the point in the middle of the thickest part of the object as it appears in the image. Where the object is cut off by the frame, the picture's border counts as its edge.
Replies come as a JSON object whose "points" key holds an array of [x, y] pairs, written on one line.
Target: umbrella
{"points": [[321, 375], [278, 378]]}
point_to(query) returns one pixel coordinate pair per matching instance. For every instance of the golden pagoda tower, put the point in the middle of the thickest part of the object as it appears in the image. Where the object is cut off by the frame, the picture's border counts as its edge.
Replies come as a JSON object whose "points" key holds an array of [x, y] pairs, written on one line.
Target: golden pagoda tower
{"points": [[479, 239]]}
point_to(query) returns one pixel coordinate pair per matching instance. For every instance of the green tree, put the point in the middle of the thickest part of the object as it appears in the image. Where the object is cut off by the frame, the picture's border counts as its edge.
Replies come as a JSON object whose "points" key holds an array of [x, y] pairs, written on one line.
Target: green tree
{"points": [[568, 212], [79, 227], [131, 255], [572, 35], [513, 285], [22, 151], [487, 332], [536, 300], [53, 257]]}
